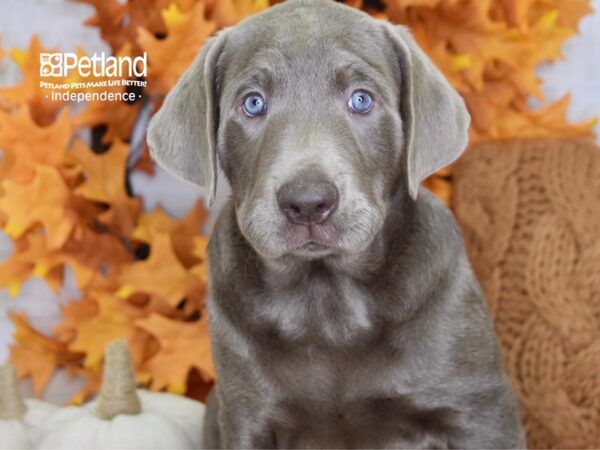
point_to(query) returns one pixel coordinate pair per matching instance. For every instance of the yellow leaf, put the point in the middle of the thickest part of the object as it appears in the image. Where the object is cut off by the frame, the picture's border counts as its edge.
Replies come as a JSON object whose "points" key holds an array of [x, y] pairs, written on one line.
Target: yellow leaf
{"points": [[37, 355], [46, 200], [169, 57], [104, 183], [112, 322], [29, 144], [172, 16], [183, 346], [161, 274], [29, 91]]}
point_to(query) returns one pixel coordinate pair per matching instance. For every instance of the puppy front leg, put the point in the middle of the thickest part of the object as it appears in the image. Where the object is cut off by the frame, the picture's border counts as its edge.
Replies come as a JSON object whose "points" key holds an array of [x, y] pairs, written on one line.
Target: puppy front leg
{"points": [[242, 427]]}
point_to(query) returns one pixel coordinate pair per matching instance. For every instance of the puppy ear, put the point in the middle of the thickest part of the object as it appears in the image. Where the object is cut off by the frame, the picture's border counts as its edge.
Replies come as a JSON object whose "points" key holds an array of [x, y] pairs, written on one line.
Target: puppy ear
{"points": [[435, 118], [182, 135]]}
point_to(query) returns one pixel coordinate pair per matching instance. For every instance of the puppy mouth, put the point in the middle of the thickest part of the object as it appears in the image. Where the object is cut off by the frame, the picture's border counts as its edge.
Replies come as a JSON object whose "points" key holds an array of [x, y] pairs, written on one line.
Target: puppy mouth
{"points": [[313, 246], [313, 249], [312, 241]]}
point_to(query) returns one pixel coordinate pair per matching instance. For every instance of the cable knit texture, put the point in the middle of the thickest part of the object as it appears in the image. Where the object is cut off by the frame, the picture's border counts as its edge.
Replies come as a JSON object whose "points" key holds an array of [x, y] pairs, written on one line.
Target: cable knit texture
{"points": [[530, 214]]}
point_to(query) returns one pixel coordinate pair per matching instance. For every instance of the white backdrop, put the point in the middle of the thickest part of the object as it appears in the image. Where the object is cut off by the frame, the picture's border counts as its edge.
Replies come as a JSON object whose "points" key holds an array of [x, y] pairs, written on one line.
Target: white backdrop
{"points": [[59, 24]]}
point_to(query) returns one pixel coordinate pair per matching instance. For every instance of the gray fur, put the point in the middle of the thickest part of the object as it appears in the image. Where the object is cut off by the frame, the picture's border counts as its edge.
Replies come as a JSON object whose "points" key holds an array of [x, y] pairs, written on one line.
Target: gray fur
{"points": [[368, 330]]}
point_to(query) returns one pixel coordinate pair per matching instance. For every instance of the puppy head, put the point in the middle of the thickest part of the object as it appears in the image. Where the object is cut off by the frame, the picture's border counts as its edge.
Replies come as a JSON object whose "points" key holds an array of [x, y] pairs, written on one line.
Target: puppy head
{"points": [[318, 114]]}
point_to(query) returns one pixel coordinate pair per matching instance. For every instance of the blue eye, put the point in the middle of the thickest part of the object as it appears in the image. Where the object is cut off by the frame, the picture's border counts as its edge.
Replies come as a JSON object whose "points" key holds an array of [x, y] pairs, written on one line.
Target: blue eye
{"points": [[360, 102], [254, 105]]}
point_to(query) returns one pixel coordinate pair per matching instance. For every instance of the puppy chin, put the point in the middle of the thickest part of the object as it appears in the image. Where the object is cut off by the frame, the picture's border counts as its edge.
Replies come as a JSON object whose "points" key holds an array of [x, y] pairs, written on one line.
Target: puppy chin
{"points": [[296, 240]]}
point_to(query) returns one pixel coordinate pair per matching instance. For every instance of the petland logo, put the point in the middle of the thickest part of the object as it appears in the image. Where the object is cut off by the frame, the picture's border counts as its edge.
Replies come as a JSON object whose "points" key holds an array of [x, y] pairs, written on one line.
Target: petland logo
{"points": [[61, 65], [70, 77]]}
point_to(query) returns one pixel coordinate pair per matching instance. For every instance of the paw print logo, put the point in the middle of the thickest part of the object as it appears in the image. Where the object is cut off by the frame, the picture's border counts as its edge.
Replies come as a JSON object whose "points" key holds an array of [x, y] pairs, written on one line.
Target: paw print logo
{"points": [[51, 65]]}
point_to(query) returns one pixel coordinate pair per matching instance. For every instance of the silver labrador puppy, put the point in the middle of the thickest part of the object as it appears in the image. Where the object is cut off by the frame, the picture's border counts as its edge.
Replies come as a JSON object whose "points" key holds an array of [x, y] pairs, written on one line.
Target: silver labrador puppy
{"points": [[343, 310]]}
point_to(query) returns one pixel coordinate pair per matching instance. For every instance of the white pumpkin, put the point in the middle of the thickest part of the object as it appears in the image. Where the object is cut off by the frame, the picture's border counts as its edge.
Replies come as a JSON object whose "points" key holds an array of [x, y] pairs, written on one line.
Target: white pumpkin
{"points": [[117, 418], [20, 419], [187, 413]]}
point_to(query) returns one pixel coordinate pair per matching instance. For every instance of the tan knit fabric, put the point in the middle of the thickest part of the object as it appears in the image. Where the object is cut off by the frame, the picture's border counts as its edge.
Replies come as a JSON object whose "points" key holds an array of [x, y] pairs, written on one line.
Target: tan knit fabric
{"points": [[530, 214]]}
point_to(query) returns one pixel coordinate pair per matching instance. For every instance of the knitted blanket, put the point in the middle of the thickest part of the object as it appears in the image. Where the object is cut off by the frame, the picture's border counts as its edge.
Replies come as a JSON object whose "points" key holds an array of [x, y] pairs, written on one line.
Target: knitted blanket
{"points": [[530, 214]]}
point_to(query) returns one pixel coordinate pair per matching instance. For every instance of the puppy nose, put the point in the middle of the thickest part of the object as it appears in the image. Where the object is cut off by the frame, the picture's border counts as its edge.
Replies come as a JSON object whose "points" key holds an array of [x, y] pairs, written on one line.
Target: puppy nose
{"points": [[307, 201]]}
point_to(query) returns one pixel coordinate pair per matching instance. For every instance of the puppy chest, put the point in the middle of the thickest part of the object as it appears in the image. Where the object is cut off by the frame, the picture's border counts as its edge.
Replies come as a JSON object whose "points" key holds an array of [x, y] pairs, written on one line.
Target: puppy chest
{"points": [[372, 422], [327, 311]]}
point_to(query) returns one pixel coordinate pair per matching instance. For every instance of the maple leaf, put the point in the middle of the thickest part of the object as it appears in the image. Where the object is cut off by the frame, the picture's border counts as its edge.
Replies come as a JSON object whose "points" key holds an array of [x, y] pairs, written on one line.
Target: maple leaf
{"points": [[43, 108], [161, 274], [118, 118], [73, 314], [569, 13], [30, 144], [105, 182], [47, 202], [109, 17], [118, 21], [31, 257], [15, 270], [169, 57], [37, 355], [114, 320], [183, 346], [96, 259], [182, 231]]}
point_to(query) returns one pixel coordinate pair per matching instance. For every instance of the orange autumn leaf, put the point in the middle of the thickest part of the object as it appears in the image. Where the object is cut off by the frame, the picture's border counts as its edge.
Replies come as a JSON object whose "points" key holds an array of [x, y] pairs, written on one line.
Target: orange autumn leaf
{"points": [[161, 274], [118, 21], [183, 346], [16, 269], [31, 257], [74, 313], [200, 270], [169, 57], [182, 231], [111, 322], [30, 144], [43, 109], [36, 355], [569, 13], [109, 16], [96, 258], [46, 200], [104, 183], [117, 117]]}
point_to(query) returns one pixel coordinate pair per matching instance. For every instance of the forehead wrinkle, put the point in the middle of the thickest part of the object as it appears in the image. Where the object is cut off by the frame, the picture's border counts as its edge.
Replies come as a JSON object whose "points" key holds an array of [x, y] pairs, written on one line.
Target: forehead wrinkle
{"points": [[356, 72], [258, 76]]}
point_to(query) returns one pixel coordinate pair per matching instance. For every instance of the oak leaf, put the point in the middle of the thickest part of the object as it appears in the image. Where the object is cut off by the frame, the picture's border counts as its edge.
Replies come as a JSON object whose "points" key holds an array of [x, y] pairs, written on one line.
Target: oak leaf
{"points": [[29, 144], [46, 200], [183, 346], [104, 182], [39, 99], [161, 274], [37, 355], [182, 231], [114, 320], [169, 57]]}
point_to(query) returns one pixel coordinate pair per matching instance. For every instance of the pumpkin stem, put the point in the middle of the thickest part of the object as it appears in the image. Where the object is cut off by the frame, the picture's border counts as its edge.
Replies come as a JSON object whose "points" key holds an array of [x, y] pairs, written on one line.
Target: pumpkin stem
{"points": [[118, 392], [12, 405]]}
